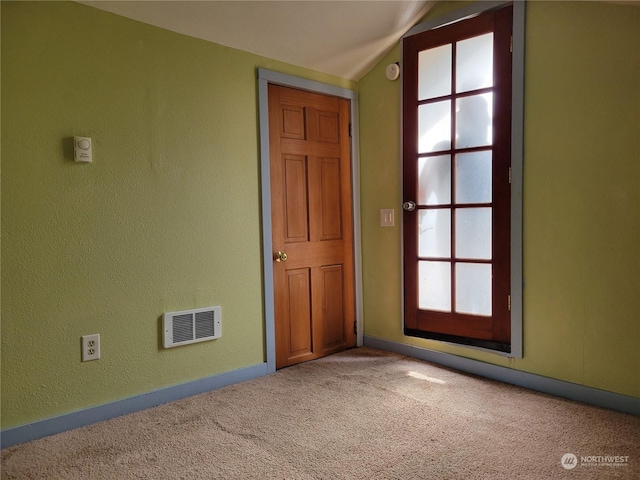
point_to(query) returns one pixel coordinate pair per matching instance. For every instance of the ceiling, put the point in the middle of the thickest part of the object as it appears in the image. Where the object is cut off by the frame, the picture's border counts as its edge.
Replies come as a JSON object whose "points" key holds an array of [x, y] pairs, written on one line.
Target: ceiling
{"points": [[342, 38]]}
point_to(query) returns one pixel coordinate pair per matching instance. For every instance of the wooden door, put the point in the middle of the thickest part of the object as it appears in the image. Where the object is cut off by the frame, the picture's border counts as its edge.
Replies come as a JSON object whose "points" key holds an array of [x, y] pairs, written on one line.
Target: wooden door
{"points": [[311, 224], [456, 181]]}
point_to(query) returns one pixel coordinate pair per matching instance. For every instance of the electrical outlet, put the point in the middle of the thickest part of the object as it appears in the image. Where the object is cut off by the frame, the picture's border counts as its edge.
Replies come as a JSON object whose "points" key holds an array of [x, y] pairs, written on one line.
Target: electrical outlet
{"points": [[90, 347]]}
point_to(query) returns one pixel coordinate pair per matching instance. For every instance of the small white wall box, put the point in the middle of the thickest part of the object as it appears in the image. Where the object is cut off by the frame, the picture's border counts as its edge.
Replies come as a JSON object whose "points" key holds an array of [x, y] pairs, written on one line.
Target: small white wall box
{"points": [[191, 326], [392, 71], [82, 151]]}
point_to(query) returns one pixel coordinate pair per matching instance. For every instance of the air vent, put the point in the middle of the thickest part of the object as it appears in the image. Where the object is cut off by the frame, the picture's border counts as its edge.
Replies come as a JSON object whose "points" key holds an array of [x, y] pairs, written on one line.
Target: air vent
{"points": [[191, 326]]}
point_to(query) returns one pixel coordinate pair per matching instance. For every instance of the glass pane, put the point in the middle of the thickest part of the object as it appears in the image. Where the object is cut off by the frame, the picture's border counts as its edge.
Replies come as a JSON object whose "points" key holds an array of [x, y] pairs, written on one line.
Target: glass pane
{"points": [[434, 127], [473, 233], [434, 72], [434, 286], [474, 63], [434, 233], [473, 288], [434, 180], [473, 177], [474, 116]]}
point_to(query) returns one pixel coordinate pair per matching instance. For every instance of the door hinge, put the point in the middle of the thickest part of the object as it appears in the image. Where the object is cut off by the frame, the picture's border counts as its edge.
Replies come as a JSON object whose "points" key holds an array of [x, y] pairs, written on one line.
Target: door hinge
{"points": [[350, 131], [509, 174], [355, 327], [509, 302], [511, 44]]}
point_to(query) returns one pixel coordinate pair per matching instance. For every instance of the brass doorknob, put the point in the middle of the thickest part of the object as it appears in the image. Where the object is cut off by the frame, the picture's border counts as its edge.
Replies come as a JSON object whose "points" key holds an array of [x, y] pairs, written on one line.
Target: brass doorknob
{"points": [[280, 257]]}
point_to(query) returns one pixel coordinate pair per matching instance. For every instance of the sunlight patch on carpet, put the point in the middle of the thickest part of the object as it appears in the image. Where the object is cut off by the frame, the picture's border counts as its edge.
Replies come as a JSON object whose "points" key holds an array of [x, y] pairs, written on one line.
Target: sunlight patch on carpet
{"points": [[420, 376]]}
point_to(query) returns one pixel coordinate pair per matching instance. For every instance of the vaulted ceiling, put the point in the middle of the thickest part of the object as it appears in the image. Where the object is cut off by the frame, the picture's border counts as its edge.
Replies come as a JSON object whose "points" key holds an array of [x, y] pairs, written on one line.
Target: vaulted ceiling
{"points": [[342, 38]]}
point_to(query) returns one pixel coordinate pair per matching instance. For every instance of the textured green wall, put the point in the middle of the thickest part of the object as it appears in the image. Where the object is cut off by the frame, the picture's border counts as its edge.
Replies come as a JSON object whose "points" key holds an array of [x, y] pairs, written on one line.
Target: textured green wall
{"points": [[166, 218], [581, 198]]}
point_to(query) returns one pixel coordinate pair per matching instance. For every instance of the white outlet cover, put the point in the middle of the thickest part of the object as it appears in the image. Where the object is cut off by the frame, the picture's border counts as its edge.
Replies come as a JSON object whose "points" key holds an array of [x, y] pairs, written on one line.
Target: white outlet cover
{"points": [[90, 347]]}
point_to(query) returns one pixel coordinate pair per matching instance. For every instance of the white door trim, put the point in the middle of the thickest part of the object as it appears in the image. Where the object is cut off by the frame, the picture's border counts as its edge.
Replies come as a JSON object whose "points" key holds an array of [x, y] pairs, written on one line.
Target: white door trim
{"points": [[265, 77]]}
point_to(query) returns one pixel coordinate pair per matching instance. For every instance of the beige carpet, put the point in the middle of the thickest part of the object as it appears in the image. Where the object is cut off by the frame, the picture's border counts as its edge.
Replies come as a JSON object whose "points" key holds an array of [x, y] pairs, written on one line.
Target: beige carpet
{"points": [[362, 414]]}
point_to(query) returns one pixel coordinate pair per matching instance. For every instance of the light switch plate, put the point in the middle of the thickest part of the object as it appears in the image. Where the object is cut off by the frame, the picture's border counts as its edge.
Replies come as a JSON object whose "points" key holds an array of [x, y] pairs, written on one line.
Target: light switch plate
{"points": [[386, 217]]}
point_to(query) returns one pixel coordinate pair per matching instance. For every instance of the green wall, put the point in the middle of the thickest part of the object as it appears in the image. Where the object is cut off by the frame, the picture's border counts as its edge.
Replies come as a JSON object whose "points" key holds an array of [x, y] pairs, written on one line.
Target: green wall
{"points": [[581, 198], [168, 215], [166, 218]]}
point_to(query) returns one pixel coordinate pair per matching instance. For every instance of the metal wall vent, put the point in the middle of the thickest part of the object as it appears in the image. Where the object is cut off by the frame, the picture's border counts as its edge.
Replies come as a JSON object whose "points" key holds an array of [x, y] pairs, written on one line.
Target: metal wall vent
{"points": [[191, 326]]}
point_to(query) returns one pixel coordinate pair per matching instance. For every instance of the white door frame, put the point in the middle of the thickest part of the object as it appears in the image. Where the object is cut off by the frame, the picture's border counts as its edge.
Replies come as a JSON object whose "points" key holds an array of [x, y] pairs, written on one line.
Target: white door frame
{"points": [[265, 77]]}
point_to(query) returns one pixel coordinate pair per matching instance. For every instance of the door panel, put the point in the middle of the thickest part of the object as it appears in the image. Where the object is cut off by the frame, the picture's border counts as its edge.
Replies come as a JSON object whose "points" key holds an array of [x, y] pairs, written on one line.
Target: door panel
{"points": [[298, 294], [312, 224], [295, 184], [330, 227], [293, 122], [333, 307], [328, 127]]}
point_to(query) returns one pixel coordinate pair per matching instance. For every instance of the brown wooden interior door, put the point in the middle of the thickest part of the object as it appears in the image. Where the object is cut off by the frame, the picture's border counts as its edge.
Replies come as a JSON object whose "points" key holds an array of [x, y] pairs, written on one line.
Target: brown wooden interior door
{"points": [[311, 215]]}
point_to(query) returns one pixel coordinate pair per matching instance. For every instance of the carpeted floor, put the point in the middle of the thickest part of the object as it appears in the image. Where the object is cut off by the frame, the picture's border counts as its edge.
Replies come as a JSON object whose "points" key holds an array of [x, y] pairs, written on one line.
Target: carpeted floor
{"points": [[361, 414]]}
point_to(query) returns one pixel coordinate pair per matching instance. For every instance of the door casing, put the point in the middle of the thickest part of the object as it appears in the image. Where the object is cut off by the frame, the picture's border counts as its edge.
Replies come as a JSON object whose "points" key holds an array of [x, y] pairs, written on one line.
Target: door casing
{"points": [[266, 77]]}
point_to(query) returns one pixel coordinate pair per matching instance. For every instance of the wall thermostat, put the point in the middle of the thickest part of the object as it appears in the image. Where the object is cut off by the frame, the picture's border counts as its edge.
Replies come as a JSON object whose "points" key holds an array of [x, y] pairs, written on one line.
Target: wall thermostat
{"points": [[82, 149], [393, 71]]}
